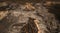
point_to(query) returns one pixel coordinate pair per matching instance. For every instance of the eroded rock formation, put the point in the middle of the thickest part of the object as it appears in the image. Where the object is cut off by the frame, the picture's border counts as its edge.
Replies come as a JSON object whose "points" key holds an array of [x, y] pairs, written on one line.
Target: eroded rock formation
{"points": [[29, 17]]}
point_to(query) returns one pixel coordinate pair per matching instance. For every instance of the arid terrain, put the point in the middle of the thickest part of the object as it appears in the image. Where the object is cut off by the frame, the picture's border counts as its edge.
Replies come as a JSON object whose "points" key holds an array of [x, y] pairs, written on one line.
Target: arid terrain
{"points": [[19, 16]]}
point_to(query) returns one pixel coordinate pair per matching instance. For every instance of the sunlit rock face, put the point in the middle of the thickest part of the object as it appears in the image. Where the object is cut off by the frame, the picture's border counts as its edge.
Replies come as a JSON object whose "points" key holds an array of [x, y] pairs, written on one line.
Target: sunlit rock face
{"points": [[19, 18]]}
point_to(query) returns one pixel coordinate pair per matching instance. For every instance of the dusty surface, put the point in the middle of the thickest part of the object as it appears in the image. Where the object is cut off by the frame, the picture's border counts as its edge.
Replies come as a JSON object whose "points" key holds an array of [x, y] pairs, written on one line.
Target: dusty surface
{"points": [[27, 18]]}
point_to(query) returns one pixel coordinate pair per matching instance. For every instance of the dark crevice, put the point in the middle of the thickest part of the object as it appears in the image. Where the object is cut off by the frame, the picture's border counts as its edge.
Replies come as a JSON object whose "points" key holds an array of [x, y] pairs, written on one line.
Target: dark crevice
{"points": [[56, 11], [30, 27]]}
